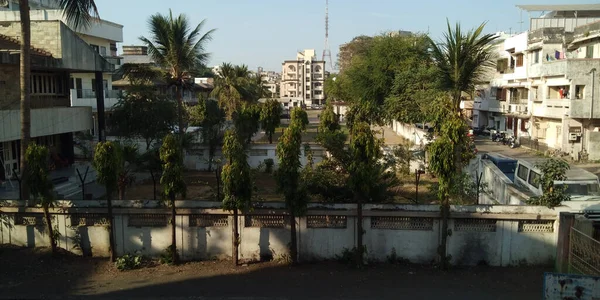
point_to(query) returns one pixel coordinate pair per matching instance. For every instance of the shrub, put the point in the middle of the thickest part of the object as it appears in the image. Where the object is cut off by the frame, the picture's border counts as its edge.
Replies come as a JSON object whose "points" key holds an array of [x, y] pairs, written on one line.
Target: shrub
{"points": [[128, 262], [166, 257], [269, 163]]}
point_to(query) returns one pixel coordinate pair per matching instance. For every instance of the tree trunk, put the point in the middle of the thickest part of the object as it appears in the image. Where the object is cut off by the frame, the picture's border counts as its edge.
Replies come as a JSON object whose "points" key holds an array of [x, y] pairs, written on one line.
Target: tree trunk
{"points": [[270, 138], [235, 239], [49, 227], [294, 242], [443, 251], [175, 257], [121, 193], [111, 227], [178, 92], [359, 231], [211, 155], [153, 184], [25, 78], [218, 175]]}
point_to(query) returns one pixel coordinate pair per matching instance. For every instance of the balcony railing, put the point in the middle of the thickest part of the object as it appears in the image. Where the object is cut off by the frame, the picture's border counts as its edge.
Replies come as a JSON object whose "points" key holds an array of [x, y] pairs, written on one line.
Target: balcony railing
{"points": [[85, 94], [48, 101]]}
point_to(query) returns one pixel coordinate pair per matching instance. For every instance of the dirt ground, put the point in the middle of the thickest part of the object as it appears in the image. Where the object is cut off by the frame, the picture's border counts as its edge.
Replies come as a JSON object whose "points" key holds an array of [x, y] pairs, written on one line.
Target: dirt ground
{"points": [[33, 273], [202, 185]]}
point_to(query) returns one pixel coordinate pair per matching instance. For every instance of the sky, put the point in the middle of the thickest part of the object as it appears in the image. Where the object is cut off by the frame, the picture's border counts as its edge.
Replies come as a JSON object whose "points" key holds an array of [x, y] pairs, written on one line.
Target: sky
{"points": [[264, 33]]}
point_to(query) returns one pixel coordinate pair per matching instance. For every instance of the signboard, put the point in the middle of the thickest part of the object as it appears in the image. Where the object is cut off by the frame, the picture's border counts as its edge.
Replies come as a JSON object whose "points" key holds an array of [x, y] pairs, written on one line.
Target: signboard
{"points": [[571, 286]]}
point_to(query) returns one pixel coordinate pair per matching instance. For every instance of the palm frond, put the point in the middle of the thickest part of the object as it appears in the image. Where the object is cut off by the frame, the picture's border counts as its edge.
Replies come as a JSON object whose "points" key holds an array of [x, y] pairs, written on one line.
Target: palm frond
{"points": [[79, 13]]}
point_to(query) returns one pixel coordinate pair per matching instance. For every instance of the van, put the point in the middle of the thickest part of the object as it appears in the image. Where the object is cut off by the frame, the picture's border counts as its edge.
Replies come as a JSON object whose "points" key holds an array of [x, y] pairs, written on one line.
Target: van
{"points": [[507, 165], [581, 184]]}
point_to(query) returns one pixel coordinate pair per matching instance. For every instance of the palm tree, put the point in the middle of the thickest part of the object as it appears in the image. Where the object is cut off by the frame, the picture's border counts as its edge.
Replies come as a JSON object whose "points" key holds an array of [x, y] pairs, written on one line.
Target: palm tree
{"points": [[178, 48], [462, 59], [230, 87], [79, 14]]}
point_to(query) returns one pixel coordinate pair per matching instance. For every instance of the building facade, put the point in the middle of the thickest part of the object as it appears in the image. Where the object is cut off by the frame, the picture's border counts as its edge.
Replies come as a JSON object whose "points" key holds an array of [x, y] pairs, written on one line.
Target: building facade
{"points": [[102, 37], [302, 80], [57, 54], [271, 81], [545, 84]]}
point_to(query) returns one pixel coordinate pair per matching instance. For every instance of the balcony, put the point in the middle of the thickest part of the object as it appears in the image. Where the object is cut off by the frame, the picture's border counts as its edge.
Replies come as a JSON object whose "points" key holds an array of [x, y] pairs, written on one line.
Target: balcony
{"points": [[552, 108], [49, 101], [46, 121], [88, 98], [581, 109]]}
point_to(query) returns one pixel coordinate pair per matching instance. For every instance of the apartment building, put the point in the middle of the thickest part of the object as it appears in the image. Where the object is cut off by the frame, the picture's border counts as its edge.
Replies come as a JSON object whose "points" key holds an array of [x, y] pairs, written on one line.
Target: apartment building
{"points": [[302, 80], [57, 54], [136, 54], [271, 81], [102, 37], [545, 86]]}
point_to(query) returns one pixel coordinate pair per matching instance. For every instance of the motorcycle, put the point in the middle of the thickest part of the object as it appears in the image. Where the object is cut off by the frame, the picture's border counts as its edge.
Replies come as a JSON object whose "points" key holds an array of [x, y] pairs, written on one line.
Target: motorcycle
{"points": [[513, 142]]}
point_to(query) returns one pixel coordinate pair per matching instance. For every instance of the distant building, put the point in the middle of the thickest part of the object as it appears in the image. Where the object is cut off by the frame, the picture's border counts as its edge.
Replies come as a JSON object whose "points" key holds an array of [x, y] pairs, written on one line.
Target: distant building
{"points": [[135, 54], [271, 80], [303, 79]]}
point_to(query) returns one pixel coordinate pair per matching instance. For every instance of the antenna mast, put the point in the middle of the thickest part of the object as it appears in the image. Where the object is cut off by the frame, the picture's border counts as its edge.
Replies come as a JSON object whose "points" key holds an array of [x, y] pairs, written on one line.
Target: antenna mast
{"points": [[326, 50]]}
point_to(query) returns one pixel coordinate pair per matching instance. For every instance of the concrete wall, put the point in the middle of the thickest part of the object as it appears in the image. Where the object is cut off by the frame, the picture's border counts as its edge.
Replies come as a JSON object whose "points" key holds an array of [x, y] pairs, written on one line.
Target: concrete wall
{"points": [[411, 132], [46, 121], [9, 87], [495, 235]]}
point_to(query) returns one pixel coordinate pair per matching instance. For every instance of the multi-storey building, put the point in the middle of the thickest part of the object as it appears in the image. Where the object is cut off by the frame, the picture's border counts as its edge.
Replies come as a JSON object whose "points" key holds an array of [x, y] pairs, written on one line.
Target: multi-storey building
{"points": [[57, 54], [271, 81], [545, 88], [101, 36], [133, 54], [302, 80]]}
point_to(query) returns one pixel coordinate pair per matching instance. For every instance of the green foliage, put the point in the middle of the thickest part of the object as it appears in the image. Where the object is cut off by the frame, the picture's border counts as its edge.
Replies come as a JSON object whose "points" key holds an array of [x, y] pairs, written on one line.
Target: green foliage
{"points": [[166, 257], [464, 190], [328, 120], [211, 117], [288, 173], [462, 59], [299, 118], [553, 195], [247, 121], [269, 163], [234, 86], [38, 180], [270, 117], [143, 114], [107, 163], [236, 174], [393, 258], [172, 178], [128, 262], [348, 256]]}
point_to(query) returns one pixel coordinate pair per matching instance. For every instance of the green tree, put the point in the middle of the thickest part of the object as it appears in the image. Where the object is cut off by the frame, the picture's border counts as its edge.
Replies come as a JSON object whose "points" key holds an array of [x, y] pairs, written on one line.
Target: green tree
{"points": [[150, 162], [230, 87], [40, 185], [129, 159], [289, 176], [79, 14], [300, 118], [143, 114], [328, 120], [173, 182], [368, 178], [211, 118], [462, 60], [247, 122], [270, 117], [178, 48], [107, 162], [237, 184], [552, 195]]}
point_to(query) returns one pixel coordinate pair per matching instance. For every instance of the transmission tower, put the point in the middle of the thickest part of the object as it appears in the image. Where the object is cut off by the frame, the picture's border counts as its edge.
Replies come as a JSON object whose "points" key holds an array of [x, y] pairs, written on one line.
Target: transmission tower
{"points": [[326, 50]]}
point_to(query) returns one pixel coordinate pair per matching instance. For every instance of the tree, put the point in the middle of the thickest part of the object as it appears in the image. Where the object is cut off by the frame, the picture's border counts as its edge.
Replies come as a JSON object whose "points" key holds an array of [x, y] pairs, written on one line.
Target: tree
{"points": [[328, 121], [237, 183], [461, 60], [211, 118], [143, 114], [288, 176], [79, 14], [231, 87], [270, 117], [150, 161], [129, 158], [368, 178], [40, 185], [552, 195], [247, 121], [300, 117], [107, 162], [180, 49], [173, 182]]}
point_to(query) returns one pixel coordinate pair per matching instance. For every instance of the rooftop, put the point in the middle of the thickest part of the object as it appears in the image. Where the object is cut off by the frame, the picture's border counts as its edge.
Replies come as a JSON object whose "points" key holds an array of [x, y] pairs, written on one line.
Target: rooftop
{"points": [[560, 7]]}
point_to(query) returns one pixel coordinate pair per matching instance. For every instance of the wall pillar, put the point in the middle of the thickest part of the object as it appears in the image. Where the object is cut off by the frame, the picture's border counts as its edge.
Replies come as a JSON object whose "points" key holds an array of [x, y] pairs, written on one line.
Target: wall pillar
{"points": [[565, 222], [100, 104]]}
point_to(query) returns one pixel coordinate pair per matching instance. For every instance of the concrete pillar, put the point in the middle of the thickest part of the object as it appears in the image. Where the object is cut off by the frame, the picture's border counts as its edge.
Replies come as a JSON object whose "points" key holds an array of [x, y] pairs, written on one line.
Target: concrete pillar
{"points": [[565, 222], [100, 105]]}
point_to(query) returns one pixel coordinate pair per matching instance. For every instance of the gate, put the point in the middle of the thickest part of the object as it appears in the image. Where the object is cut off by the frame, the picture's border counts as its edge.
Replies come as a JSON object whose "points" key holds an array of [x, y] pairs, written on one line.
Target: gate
{"points": [[584, 254]]}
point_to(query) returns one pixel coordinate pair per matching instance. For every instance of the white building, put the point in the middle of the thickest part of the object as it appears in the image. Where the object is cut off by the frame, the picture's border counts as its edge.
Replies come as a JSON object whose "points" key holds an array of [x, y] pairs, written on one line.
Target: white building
{"points": [[102, 36], [271, 80], [545, 86], [303, 79]]}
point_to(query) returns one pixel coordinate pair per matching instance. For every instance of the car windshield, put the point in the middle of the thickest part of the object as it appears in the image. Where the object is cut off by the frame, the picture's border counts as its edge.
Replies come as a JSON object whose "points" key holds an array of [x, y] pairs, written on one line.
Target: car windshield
{"points": [[582, 189], [507, 167]]}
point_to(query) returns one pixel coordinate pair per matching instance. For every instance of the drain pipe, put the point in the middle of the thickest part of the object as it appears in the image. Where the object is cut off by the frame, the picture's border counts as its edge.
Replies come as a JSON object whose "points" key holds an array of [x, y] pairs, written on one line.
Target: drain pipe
{"points": [[593, 72]]}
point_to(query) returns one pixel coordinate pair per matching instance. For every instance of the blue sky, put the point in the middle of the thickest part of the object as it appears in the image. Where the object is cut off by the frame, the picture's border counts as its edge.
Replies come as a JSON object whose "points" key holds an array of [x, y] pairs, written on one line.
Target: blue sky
{"points": [[266, 32]]}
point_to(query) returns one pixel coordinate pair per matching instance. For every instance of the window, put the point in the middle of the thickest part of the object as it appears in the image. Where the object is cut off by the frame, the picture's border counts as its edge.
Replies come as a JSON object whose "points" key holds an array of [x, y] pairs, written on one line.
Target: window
{"points": [[102, 50], [501, 94], [534, 94], [46, 84], [589, 51], [522, 172], [96, 48], [579, 91], [502, 65], [318, 92], [534, 179], [519, 60], [536, 56]]}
